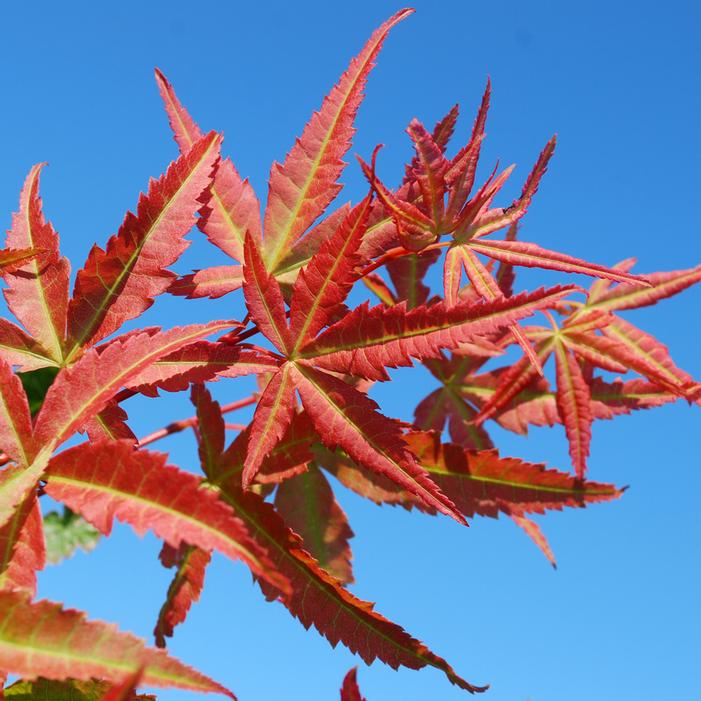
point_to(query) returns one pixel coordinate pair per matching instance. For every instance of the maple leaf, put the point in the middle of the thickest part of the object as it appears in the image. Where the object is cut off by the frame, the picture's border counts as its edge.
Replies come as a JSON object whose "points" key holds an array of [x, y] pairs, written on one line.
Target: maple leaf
{"points": [[308, 506], [37, 293], [350, 690], [592, 334], [42, 639], [300, 189], [70, 690], [22, 549], [190, 564], [481, 483], [112, 478], [124, 690], [363, 342], [67, 532], [317, 597], [120, 282], [534, 532], [421, 214], [233, 209]]}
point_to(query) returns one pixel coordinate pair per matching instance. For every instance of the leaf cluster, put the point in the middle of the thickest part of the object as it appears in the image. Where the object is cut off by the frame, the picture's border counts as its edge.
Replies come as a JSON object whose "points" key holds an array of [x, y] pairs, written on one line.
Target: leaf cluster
{"points": [[266, 491]]}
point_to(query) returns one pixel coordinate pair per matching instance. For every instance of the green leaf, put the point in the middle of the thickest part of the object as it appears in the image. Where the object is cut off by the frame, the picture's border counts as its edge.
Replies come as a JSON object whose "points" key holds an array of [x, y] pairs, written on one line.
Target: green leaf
{"points": [[64, 534]]}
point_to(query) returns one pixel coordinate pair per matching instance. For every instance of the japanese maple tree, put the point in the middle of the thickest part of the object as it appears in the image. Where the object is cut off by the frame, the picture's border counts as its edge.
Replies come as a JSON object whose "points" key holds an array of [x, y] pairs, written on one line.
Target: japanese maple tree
{"points": [[263, 494]]}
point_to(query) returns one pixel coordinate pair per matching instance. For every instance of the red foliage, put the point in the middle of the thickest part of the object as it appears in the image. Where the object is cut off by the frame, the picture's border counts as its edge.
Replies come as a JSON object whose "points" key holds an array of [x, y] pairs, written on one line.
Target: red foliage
{"points": [[63, 372]]}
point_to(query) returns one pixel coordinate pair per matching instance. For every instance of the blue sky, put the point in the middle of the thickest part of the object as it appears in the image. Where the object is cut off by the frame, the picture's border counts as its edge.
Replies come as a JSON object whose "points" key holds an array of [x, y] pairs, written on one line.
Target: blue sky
{"points": [[619, 84]]}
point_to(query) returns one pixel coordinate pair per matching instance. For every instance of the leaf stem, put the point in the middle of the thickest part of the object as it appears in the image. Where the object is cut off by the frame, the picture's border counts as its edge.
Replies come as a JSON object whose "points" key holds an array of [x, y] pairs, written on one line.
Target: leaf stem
{"points": [[182, 424]]}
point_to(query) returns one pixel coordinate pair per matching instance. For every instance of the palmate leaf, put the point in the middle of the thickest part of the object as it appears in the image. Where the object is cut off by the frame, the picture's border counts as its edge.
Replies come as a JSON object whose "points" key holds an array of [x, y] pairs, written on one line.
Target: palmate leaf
{"points": [[124, 690], [212, 282], [367, 339], [308, 506], [482, 483], [350, 690], [16, 439], [111, 478], [391, 337], [52, 690], [326, 281], [317, 597], [347, 418], [66, 533], [19, 349], [42, 639], [120, 282], [574, 405], [22, 550], [84, 389], [306, 183], [531, 255], [37, 293], [233, 209], [190, 564], [534, 532]]}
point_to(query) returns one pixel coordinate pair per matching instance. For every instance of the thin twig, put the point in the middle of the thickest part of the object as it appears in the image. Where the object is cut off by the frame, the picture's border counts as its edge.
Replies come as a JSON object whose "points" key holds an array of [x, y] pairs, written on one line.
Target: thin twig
{"points": [[182, 424]]}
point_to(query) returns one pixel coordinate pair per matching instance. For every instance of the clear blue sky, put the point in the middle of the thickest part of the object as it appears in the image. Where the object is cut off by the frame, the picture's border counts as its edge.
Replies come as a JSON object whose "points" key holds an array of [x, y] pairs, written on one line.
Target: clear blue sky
{"points": [[619, 83]]}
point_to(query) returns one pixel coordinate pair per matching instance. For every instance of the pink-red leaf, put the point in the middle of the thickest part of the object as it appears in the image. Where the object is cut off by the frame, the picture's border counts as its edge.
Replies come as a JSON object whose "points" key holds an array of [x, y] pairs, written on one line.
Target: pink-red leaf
{"points": [[15, 421], [272, 417], [184, 590], [197, 362], [325, 282], [646, 355], [496, 219], [367, 340], [534, 532], [212, 282], [83, 390], [484, 483], [302, 188], [318, 598], [531, 255], [346, 418], [307, 504], [350, 690], [631, 296], [37, 292], [233, 209], [574, 404], [119, 283], [42, 639], [109, 479], [429, 170], [22, 549]]}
